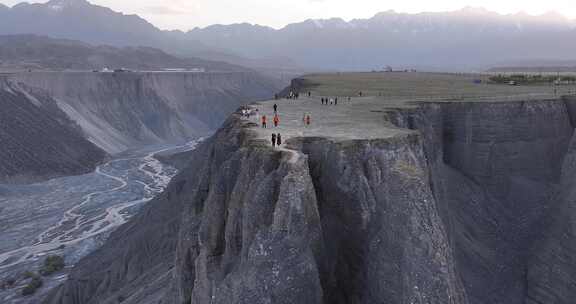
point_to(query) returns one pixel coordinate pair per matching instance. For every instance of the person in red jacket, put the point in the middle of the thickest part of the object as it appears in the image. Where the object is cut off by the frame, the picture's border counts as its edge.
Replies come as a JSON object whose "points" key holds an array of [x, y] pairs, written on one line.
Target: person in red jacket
{"points": [[276, 120], [264, 121]]}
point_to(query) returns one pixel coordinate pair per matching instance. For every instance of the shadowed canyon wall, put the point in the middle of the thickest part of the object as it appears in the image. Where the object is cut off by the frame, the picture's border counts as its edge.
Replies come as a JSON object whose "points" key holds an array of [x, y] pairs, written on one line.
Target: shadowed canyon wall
{"points": [[38, 140]]}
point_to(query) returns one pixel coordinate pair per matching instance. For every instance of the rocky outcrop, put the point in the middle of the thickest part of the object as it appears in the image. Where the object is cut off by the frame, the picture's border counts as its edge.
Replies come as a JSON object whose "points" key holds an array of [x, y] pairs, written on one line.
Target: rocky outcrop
{"points": [[118, 111], [38, 140], [452, 212], [329, 222]]}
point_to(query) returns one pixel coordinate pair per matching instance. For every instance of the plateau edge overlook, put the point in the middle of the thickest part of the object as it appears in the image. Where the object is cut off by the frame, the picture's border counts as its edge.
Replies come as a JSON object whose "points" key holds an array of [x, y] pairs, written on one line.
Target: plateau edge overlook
{"points": [[134, 166]]}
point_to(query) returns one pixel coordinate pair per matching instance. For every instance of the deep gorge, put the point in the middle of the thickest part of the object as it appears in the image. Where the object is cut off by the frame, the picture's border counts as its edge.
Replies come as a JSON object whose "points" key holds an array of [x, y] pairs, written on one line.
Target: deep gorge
{"points": [[466, 208]]}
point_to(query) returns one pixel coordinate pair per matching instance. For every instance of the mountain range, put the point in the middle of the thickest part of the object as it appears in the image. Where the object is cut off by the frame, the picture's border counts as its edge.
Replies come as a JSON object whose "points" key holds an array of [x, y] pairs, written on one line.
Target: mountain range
{"points": [[467, 38], [83, 21], [461, 40], [28, 51]]}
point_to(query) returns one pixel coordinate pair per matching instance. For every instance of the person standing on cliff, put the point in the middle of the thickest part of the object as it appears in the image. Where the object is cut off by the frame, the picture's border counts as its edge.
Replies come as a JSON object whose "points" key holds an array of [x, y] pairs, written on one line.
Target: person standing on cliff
{"points": [[264, 120], [275, 108], [273, 140], [276, 120], [279, 140], [308, 120]]}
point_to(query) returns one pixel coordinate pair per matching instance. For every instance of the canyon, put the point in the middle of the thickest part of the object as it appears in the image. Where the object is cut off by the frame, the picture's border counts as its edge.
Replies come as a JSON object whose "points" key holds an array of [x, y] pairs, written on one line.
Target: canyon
{"points": [[99, 114], [389, 199], [79, 155]]}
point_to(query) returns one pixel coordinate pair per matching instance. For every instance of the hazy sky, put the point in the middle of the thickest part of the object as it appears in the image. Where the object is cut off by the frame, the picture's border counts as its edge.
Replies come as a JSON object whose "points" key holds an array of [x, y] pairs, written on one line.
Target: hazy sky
{"points": [[186, 14]]}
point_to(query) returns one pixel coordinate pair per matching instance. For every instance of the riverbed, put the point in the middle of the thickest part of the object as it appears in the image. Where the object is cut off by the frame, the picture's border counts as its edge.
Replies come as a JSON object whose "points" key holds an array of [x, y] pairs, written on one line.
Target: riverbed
{"points": [[73, 216]]}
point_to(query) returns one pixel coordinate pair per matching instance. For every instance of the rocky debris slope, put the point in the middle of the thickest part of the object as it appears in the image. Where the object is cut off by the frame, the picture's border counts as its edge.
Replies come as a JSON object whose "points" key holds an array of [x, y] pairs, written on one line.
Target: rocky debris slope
{"points": [[456, 202], [38, 140], [118, 111]]}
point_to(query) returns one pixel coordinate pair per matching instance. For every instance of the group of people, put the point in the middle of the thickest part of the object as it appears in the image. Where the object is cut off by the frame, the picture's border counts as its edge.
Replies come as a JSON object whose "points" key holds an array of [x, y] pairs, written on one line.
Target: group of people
{"points": [[247, 112], [293, 95], [275, 120], [276, 137], [332, 101]]}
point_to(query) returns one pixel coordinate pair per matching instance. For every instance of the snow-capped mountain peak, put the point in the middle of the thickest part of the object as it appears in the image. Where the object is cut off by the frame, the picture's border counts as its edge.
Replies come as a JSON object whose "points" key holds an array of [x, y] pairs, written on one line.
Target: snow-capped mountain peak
{"points": [[59, 5]]}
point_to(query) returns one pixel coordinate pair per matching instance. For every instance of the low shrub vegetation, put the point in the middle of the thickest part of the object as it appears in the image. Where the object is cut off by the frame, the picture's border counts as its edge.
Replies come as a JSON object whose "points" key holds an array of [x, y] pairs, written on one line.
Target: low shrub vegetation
{"points": [[33, 286], [52, 264]]}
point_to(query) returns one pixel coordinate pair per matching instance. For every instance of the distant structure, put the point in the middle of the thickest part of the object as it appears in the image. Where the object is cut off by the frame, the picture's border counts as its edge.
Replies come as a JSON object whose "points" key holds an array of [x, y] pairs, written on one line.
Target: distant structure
{"points": [[389, 69], [198, 70], [193, 70]]}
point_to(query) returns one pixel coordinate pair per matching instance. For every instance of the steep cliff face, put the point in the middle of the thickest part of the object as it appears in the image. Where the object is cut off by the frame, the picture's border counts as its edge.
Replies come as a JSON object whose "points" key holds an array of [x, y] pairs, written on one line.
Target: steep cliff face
{"points": [[496, 171], [336, 222], [118, 111], [383, 234], [552, 265], [38, 141], [328, 222], [452, 212]]}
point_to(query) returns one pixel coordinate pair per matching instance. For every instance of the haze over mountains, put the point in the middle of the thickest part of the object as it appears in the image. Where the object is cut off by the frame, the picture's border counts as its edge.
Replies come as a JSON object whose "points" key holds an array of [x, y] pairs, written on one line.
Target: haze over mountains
{"points": [[467, 39], [463, 39], [29, 51], [82, 21]]}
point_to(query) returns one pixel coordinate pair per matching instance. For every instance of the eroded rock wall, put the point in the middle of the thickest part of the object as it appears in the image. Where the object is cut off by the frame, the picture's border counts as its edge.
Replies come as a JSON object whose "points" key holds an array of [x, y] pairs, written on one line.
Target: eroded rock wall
{"points": [[37, 139], [119, 111], [551, 272], [383, 235], [496, 172], [257, 225], [474, 206]]}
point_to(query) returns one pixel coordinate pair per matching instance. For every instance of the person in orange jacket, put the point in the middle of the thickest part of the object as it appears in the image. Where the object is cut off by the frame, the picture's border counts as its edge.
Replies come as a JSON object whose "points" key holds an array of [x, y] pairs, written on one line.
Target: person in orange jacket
{"points": [[276, 120]]}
